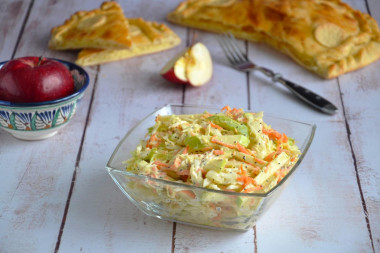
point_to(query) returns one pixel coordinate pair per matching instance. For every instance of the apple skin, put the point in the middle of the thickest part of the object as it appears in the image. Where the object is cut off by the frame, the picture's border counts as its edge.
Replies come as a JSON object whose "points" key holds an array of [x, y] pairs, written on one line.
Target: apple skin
{"points": [[34, 79], [193, 66], [172, 77]]}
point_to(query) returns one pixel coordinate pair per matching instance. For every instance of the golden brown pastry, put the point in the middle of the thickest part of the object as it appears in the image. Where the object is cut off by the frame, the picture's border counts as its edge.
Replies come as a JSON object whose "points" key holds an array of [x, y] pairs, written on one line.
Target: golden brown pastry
{"points": [[105, 27], [147, 37], [327, 37]]}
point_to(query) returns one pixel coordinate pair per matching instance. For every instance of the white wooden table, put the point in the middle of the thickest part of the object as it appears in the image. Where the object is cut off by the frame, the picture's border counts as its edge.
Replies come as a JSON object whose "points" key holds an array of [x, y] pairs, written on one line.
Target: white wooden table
{"points": [[55, 195]]}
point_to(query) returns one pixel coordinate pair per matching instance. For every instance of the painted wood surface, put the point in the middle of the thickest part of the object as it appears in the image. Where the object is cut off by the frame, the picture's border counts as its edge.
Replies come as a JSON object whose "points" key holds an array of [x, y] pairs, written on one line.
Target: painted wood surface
{"points": [[36, 176], [55, 195]]}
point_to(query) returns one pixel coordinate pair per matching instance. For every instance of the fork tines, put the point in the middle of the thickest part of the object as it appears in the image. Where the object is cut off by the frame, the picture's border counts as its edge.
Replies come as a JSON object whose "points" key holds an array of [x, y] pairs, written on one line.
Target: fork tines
{"points": [[231, 49]]}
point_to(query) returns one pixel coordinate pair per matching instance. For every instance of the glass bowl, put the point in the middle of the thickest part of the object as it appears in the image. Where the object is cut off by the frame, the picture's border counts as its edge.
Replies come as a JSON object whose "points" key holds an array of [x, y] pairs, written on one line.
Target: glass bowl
{"points": [[194, 205]]}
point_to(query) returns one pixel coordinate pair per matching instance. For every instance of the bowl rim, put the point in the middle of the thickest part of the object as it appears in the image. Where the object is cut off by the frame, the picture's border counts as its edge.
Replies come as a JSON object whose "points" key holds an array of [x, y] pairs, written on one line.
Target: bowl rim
{"points": [[55, 101], [111, 170]]}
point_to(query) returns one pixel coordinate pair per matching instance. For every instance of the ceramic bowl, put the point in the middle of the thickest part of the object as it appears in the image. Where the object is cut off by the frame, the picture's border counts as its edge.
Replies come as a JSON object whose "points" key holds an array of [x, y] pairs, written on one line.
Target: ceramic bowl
{"points": [[224, 210], [37, 121]]}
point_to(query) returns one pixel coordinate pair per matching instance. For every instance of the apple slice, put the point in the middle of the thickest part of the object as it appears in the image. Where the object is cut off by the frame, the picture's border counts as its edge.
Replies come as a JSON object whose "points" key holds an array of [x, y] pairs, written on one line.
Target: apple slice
{"points": [[193, 66], [175, 70]]}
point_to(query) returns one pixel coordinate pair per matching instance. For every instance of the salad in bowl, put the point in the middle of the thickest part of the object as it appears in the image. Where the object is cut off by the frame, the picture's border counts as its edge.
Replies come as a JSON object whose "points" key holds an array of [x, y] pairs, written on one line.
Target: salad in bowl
{"points": [[208, 167]]}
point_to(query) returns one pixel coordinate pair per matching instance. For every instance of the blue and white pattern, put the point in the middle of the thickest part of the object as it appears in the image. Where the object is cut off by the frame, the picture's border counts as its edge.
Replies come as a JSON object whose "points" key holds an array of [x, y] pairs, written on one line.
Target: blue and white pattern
{"points": [[5, 119], [23, 121], [64, 113], [37, 120], [45, 119]]}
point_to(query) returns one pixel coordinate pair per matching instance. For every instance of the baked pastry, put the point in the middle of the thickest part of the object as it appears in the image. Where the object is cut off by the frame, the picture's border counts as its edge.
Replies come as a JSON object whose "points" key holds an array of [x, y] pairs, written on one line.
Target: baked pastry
{"points": [[327, 37], [147, 37], [105, 27]]}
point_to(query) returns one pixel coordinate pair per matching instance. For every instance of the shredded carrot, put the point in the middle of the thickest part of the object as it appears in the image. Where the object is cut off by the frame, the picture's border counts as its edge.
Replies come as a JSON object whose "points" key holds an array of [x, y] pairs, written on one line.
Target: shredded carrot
{"points": [[153, 141], [246, 180], [236, 113], [242, 149], [183, 173], [206, 149], [189, 193], [271, 156], [215, 126], [258, 160], [255, 169], [241, 172], [256, 188], [281, 174], [284, 138], [186, 150], [161, 164], [218, 152], [222, 143], [237, 147], [234, 110], [274, 135], [226, 108], [278, 146]]}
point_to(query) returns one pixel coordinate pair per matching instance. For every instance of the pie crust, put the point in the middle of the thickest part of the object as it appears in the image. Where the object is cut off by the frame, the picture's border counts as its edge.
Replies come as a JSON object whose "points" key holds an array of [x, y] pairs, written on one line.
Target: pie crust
{"points": [[147, 37], [105, 27], [327, 37]]}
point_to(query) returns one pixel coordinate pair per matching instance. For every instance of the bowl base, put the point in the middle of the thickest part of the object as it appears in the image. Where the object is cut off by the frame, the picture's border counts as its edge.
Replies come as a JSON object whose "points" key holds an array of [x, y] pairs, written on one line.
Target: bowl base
{"points": [[30, 136]]}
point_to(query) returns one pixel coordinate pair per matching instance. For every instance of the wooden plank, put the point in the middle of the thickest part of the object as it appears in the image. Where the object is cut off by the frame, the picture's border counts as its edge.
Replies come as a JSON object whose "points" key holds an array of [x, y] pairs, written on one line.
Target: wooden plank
{"points": [[374, 7], [227, 87], [39, 174], [192, 239], [303, 212], [121, 100], [275, 99], [320, 210], [125, 92], [12, 16], [360, 94], [309, 216]]}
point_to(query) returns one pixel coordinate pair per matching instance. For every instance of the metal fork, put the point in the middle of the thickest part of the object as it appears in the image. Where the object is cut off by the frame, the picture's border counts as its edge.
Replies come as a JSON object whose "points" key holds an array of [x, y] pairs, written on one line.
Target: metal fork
{"points": [[240, 61]]}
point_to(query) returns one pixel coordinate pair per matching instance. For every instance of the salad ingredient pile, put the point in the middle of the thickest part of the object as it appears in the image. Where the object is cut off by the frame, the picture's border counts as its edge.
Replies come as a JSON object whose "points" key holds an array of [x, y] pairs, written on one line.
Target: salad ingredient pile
{"points": [[228, 151]]}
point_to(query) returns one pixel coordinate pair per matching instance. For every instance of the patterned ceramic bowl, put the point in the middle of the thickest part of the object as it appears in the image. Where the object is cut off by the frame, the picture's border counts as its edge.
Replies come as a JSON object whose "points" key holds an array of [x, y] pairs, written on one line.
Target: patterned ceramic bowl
{"points": [[37, 121]]}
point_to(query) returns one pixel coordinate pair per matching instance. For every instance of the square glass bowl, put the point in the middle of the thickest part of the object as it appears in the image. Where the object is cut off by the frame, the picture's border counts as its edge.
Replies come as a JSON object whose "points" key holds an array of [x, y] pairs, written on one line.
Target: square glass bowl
{"points": [[194, 205]]}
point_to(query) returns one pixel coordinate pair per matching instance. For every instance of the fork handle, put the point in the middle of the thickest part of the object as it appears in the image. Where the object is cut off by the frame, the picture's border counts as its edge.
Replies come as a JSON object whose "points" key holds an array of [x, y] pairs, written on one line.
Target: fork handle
{"points": [[302, 93]]}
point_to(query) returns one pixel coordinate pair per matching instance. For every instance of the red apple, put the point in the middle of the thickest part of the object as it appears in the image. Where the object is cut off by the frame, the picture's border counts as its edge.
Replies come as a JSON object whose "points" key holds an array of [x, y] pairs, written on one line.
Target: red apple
{"points": [[34, 79], [192, 66]]}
